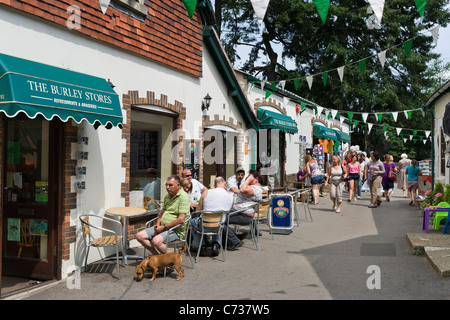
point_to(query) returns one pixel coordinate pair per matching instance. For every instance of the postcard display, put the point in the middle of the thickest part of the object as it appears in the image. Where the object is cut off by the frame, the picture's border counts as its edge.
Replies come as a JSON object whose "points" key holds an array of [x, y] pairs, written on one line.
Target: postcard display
{"points": [[301, 152], [80, 170], [319, 154]]}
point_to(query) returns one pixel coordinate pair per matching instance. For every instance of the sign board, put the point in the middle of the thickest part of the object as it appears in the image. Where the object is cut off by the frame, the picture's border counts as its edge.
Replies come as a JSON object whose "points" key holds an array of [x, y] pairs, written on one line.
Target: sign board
{"points": [[281, 218]]}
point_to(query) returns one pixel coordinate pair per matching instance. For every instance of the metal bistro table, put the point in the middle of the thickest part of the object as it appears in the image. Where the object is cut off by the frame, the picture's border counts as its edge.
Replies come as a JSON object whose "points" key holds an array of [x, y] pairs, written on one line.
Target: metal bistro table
{"points": [[125, 213]]}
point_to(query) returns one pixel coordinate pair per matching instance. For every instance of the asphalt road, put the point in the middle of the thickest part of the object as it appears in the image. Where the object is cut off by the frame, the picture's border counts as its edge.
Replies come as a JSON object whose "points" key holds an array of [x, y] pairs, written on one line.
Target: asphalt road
{"points": [[360, 254]]}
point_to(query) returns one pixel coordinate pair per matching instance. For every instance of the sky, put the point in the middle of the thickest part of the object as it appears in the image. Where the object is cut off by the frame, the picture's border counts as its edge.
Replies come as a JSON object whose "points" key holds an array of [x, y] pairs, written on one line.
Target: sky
{"points": [[443, 46]]}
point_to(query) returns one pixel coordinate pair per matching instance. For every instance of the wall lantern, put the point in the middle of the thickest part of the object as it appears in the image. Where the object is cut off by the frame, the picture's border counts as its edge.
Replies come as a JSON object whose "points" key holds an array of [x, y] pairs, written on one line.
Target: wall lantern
{"points": [[206, 102]]}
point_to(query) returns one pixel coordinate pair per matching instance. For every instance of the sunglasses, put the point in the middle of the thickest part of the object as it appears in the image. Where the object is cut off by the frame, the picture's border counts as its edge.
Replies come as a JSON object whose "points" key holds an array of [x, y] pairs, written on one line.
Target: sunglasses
{"points": [[189, 175], [169, 184]]}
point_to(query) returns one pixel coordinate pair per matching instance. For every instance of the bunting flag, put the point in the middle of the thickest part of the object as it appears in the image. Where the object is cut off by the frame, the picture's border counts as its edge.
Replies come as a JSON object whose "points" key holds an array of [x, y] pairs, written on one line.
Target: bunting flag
{"points": [[350, 115], [190, 6], [379, 116], [268, 93], [377, 7], [303, 105], [407, 46], [273, 85], [362, 66], [282, 83], [369, 126], [435, 34], [340, 71], [427, 133], [309, 79], [324, 78], [364, 116], [319, 110], [395, 115], [322, 8], [398, 130], [286, 100], [263, 84], [104, 4], [296, 83], [333, 113], [420, 4], [260, 8], [382, 57]]}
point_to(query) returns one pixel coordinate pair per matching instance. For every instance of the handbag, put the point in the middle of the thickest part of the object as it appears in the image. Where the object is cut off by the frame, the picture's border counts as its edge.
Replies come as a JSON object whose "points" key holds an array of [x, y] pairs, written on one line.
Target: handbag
{"points": [[392, 176]]}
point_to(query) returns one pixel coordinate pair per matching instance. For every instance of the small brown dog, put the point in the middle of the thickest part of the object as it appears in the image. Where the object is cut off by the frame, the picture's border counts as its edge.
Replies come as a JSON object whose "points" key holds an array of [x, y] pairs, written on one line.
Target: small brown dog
{"points": [[160, 261]]}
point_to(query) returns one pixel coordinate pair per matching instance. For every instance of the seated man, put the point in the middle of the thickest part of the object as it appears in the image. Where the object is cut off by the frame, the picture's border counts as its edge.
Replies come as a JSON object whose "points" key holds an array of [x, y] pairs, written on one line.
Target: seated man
{"points": [[234, 182], [174, 211], [217, 199], [250, 193]]}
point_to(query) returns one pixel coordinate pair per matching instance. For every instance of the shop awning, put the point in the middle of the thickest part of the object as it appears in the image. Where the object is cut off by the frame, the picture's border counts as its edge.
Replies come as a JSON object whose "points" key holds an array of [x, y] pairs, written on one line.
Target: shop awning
{"points": [[322, 132], [342, 136], [35, 88], [272, 120]]}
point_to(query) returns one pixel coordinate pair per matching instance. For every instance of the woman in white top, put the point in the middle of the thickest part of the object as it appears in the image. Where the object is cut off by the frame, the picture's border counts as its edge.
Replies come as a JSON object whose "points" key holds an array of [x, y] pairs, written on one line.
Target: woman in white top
{"points": [[336, 175]]}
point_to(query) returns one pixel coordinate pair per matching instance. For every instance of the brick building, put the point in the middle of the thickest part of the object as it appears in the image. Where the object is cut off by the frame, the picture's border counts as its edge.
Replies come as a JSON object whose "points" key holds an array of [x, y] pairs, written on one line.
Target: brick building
{"points": [[106, 91]]}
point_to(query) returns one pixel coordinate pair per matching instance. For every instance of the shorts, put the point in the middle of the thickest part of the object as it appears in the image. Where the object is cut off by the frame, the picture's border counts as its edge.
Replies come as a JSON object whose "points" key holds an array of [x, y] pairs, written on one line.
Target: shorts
{"points": [[171, 235], [317, 180], [388, 185], [412, 185], [353, 176]]}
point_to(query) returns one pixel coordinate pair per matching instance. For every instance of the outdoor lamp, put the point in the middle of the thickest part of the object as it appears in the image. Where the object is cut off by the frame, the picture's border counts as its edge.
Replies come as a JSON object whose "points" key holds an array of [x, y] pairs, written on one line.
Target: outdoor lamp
{"points": [[206, 102]]}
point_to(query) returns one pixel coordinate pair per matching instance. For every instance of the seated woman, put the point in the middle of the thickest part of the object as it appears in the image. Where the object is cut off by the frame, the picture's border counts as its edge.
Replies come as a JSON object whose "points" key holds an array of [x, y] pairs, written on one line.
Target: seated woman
{"points": [[186, 184]]}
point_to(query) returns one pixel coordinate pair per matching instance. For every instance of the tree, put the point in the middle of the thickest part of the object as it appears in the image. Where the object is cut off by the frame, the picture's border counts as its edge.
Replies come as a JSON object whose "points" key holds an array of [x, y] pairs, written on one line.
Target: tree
{"points": [[294, 28]]}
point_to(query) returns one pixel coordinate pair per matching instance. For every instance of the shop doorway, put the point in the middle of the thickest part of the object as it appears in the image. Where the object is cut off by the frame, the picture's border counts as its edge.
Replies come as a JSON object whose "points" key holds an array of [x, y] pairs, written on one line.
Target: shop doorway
{"points": [[32, 169]]}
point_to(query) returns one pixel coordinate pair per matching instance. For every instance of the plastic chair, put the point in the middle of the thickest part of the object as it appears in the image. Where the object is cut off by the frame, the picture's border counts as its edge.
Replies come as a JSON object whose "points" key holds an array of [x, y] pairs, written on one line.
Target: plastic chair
{"points": [[113, 239], [175, 242], [440, 215], [211, 223]]}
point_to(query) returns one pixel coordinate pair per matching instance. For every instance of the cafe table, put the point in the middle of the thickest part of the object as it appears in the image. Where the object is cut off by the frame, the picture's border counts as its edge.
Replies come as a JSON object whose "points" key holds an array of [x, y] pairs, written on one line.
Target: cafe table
{"points": [[426, 215], [126, 213]]}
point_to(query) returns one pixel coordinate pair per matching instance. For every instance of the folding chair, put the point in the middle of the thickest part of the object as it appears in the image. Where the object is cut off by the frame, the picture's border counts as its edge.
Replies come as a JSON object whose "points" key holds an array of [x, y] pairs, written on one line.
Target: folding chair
{"points": [[211, 223], [175, 242], [113, 239]]}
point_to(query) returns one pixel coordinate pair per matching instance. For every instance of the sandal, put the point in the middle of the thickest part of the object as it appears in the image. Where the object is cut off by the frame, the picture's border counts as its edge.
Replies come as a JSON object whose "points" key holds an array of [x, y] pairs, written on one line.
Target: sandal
{"points": [[349, 200]]}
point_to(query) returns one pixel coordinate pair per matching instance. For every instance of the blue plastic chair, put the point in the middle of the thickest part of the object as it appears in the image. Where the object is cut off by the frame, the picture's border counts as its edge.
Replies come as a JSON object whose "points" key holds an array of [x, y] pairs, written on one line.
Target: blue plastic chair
{"points": [[441, 215]]}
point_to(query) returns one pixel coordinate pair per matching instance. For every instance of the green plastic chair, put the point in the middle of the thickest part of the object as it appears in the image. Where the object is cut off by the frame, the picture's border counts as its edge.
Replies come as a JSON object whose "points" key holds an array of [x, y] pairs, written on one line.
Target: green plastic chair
{"points": [[440, 215]]}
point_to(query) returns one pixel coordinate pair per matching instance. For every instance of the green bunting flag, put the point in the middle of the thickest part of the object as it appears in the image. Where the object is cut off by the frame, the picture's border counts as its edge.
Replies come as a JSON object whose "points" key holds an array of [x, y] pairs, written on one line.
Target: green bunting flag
{"points": [[303, 105], [420, 4], [407, 46], [350, 115], [190, 7], [322, 8], [379, 116], [362, 66], [384, 128], [268, 93], [324, 78], [414, 132], [274, 85], [296, 82], [356, 123]]}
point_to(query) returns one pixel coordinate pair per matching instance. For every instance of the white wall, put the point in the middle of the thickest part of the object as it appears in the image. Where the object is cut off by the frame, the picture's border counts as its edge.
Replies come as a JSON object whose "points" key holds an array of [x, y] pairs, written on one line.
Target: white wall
{"points": [[33, 39], [439, 115]]}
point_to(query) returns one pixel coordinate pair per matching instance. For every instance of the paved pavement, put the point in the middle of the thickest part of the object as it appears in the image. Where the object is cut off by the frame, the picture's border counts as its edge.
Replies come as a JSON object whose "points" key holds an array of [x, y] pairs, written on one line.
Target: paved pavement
{"points": [[361, 253]]}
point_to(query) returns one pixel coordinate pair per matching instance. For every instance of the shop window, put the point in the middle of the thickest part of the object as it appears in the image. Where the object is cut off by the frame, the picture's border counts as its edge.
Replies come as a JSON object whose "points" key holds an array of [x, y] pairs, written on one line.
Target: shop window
{"points": [[144, 163]]}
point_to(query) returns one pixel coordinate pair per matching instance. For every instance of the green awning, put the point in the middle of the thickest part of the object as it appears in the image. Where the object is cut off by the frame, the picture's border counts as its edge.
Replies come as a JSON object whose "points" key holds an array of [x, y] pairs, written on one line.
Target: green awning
{"points": [[35, 88], [342, 136], [322, 132], [272, 120]]}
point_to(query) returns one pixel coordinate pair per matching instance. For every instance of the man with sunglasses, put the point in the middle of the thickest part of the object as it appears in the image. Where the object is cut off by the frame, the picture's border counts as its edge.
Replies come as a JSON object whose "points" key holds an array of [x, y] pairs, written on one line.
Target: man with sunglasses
{"points": [[174, 211], [197, 187]]}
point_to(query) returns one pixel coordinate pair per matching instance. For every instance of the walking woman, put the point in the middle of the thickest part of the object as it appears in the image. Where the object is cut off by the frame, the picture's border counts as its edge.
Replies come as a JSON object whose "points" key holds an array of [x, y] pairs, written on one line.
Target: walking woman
{"points": [[413, 172], [376, 171], [354, 176], [388, 184], [336, 175], [402, 165], [316, 178]]}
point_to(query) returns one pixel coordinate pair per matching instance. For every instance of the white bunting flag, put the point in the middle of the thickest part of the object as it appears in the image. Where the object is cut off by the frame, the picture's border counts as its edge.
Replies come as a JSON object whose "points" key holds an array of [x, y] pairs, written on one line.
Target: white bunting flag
{"points": [[395, 114], [427, 133], [364, 116], [406, 114], [327, 112], [104, 4], [405, 139], [263, 84], [319, 110], [340, 71], [283, 83], [260, 7], [341, 119], [410, 137], [309, 79], [435, 34], [424, 141], [333, 113], [286, 100], [382, 57], [377, 7], [370, 127], [398, 130]]}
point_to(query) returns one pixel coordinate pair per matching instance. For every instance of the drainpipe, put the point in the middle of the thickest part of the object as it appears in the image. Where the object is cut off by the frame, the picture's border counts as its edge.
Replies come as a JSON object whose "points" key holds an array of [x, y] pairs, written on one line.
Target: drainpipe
{"points": [[427, 110]]}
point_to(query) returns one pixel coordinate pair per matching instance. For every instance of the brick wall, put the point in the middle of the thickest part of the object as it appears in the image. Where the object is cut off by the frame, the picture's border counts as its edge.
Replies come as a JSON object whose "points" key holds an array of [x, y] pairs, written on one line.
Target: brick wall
{"points": [[166, 36]]}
